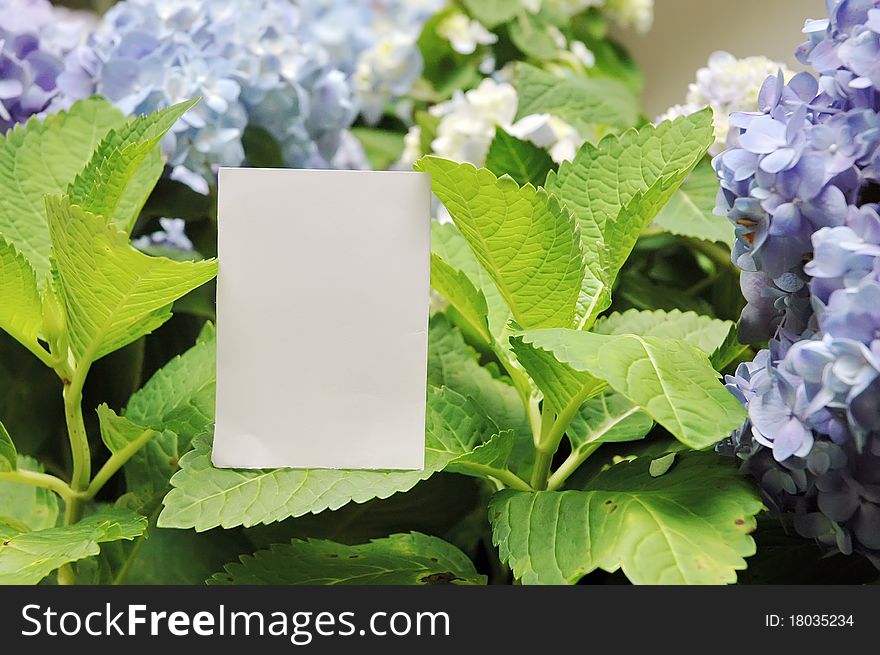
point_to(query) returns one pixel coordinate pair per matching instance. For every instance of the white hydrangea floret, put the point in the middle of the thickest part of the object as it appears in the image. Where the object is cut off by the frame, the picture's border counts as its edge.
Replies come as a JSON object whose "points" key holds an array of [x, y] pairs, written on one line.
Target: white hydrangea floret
{"points": [[468, 121], [386, 70], [465, 34], [634, 14], [726, 84]]}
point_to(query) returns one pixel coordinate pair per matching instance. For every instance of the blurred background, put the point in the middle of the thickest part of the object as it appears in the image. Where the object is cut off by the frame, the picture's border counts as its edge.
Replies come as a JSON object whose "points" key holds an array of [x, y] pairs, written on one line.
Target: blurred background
{"points": [[685, 33]]}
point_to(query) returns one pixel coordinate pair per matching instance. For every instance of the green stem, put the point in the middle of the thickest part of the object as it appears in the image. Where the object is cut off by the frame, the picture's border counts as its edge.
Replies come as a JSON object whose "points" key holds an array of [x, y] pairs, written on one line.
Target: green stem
{"points": [[79, 443], [571, 464], [508, 478], [116, 461], [544, 449], [44, 480]]}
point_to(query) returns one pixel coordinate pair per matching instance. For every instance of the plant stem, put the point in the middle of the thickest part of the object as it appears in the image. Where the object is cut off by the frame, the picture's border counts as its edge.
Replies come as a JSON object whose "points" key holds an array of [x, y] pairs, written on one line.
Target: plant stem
{"points": [[79, 443], [43, 480], [116, 462], [545, 449], [571, 464], [504, 476]]}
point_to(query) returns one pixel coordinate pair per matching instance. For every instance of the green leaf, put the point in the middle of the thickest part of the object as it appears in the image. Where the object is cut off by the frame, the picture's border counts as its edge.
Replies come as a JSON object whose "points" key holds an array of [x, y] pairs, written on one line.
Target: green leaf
{"points": [[728, 351], [690, 210], [454, 364], [117, 432], [670, 379], [28, 557], [581, 102], [563, 386], [8, 454], [617, 187], [205, 497], [382, 147], [21, 313], [24, 506], [41, 158], [689, 526], [261, 149], [117, 168], [607, 418], [492, 13], [525, 162], [522, 236], [704, 332], [433, 506], [177, 402], [113, 294], [661, 465], [502, 453], [459, 291], [529, 33], [448, 244], [401, 559]]}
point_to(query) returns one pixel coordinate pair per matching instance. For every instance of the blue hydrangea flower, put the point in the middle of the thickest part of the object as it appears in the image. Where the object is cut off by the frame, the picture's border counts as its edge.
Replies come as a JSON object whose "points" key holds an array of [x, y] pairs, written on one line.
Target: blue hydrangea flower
{"points": [[798, 182], [252, 63], [34, 38]]}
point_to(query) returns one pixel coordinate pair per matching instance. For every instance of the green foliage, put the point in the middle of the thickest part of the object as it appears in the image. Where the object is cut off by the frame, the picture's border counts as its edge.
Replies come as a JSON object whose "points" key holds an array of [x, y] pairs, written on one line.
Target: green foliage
{"points": [[41, 158], [689, 526], [411, 559], [581, 102], [113, 294], [690, 211], [525, 162], [670, 379], [27, 507], [28, 557], [522, 236]]}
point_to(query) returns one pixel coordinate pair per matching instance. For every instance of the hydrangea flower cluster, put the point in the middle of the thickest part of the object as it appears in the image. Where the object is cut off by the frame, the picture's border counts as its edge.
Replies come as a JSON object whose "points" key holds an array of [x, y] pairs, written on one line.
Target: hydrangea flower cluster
{"points": [[252, 63], [375, 43], [34, 39], [726, 84], [468, 122], [801, 184]]}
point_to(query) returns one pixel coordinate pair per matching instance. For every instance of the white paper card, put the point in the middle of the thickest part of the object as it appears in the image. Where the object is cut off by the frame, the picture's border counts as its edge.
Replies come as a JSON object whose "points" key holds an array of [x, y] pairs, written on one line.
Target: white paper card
{"points": [[322, 316]]}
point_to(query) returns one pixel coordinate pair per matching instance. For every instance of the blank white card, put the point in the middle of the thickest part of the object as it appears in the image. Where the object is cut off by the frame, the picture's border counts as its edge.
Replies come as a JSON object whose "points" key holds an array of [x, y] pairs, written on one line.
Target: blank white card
{"points": [[322, 316]]}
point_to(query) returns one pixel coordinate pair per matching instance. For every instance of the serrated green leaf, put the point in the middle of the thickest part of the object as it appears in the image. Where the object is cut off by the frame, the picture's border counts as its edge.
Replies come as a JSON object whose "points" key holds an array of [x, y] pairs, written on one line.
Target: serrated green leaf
{"points": [[502, 453], [562, 385], [410, 559], [113, 294], [24, 506], [28, 557], [459, 291], [117, 432], [689, 526], [492, 13], [448, 244], [454, 364], [671, 380], [21, 313], [704, 332], [8, 454], [177, 402], [607, 418], [616, 188], [525, 162], [118, 161], [41, 158], [690, 210], [581, 102], [522, 236], [205, 497], [603, 178]]}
